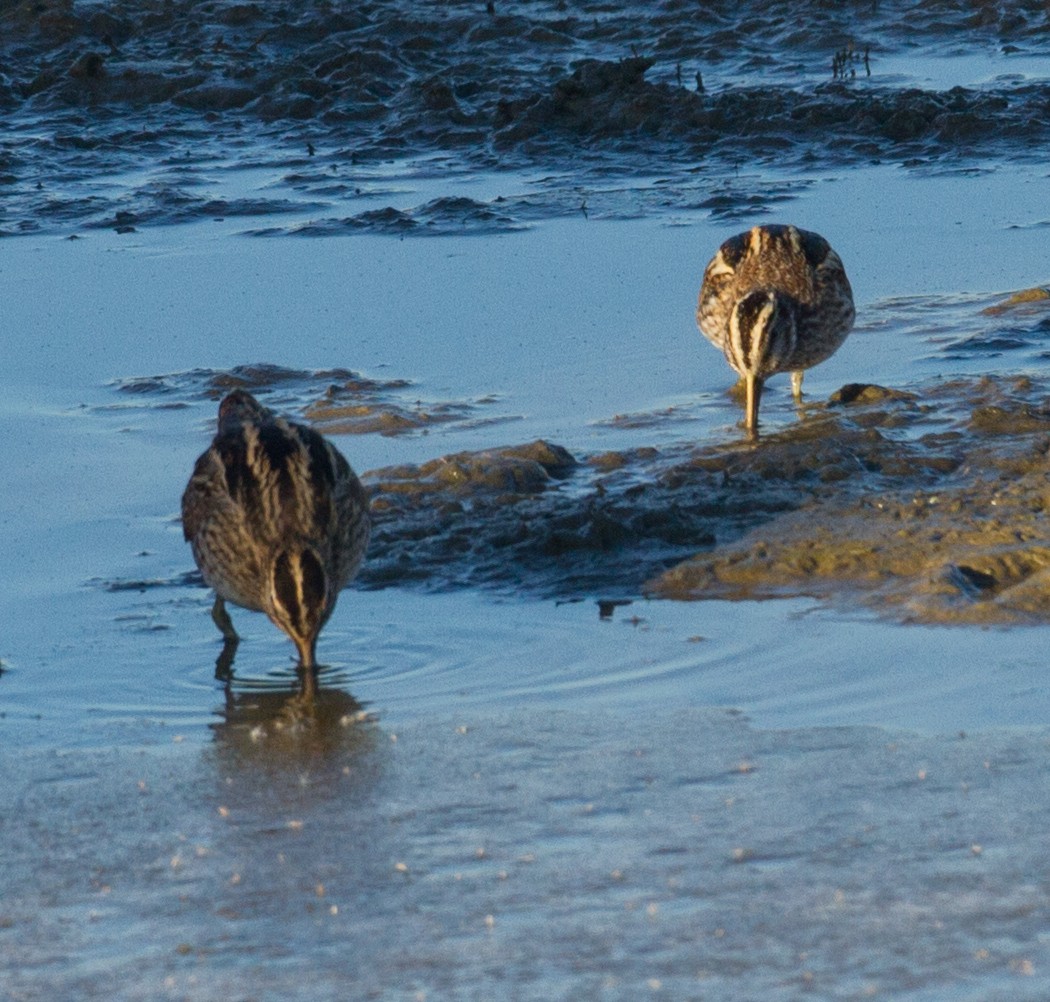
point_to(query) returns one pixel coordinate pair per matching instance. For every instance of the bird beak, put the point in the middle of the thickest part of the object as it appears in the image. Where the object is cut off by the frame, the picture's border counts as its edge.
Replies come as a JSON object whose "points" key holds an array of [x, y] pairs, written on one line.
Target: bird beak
{"points": [[754, 394]]}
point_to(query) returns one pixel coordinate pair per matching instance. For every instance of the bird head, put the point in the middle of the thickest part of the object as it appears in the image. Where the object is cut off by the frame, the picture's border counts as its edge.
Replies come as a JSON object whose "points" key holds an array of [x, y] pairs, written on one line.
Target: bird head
{"points": [[761, 341], [762, 333], [299, 597]]}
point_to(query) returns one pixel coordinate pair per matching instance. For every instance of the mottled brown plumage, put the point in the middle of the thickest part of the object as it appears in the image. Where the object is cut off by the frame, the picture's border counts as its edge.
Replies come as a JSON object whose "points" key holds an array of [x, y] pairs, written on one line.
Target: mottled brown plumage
{"points": [[277, 520], [775, 299]]}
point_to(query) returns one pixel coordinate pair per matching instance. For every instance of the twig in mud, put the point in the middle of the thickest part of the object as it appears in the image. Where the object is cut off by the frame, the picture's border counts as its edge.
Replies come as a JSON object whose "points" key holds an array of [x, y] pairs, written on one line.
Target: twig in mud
{"points": [[844, 63]]}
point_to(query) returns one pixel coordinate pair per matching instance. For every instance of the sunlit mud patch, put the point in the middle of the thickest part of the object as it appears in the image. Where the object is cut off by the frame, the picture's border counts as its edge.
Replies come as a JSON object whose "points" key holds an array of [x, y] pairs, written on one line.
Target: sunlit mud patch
{"points": [[337, 401], [534, 518], [948, 527], [926, 504], [514, 516], [357, 407]]}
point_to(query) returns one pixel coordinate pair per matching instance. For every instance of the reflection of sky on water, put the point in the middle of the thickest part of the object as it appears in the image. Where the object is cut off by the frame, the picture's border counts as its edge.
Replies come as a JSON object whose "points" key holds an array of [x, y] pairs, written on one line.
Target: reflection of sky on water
{"points": [[566, 327], [983, 70]]}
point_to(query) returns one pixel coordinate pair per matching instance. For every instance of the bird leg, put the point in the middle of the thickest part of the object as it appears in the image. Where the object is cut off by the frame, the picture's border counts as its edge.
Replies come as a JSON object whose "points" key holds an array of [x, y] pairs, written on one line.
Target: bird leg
{"points": [[796, 384], [224, 662], [222, 620]]}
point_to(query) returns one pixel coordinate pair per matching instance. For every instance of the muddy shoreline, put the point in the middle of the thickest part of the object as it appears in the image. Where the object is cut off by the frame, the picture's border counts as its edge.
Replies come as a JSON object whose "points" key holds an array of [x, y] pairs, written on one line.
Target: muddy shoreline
{"points": [[512, 784], [924, 504], [320, 95]]}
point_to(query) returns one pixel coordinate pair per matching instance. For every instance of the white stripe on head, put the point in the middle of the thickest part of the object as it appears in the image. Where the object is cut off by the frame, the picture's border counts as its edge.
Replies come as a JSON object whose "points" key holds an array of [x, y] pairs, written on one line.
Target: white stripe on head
{"points": [[761, 334], [748, 331]]}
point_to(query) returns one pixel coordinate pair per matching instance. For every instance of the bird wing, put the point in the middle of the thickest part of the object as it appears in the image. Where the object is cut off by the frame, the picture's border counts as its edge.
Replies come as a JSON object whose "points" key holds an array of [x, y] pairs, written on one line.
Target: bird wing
{"points": [[198, 500], [718, 291]]}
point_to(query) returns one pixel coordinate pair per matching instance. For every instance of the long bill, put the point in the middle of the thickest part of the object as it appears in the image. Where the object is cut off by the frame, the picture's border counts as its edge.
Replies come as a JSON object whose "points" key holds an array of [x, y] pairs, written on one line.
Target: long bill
{"points": [[307, 665], [754, 394]]}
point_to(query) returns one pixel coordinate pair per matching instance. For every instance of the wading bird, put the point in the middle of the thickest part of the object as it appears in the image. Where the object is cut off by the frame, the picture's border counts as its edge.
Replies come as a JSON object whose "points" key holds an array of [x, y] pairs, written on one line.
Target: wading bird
{"points": [[277, 520], [775, 299]]}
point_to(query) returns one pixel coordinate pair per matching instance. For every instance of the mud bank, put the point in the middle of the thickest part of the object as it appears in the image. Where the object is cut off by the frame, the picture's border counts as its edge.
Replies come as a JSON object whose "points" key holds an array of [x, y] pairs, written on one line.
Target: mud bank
{"points": [[316, 94], [925, 504], [950, 529]]}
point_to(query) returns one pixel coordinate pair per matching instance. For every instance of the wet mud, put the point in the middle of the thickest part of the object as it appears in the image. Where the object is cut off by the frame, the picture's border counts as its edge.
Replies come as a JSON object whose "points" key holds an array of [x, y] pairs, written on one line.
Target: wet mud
{"points": [[947, 527], [319, 93], [336, 401], [925, 504]]}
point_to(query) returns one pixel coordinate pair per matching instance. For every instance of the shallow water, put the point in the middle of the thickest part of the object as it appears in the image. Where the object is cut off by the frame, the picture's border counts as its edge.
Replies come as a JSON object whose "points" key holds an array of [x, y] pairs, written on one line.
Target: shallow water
{"points": [[684, 854], [537, 784], [449, 889]]}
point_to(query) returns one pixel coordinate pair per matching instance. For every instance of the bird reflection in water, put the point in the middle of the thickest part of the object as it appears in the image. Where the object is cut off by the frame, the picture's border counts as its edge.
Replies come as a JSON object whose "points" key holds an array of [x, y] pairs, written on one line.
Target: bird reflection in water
{"points": [[307, 677], [274, 720]]}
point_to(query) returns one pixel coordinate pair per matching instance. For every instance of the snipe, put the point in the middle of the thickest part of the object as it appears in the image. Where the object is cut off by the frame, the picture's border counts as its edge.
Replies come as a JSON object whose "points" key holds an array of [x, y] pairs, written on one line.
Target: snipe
{"points": [[775, 299], [277, 520]]}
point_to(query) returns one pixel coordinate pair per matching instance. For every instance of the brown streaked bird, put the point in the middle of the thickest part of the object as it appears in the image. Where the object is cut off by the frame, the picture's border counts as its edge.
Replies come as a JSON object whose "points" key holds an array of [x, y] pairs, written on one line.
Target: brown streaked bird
{"points": [[277, 520], [775, 299]]}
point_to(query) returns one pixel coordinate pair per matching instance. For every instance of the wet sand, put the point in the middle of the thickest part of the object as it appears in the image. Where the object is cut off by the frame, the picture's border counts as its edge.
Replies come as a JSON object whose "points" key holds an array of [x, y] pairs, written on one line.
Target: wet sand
{"points": [[685, 854]]}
